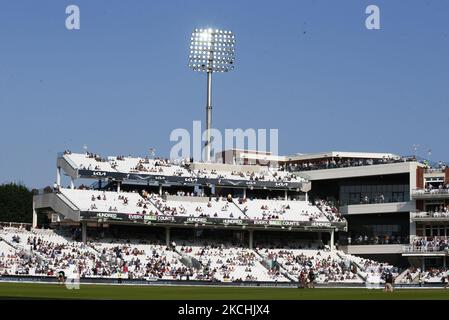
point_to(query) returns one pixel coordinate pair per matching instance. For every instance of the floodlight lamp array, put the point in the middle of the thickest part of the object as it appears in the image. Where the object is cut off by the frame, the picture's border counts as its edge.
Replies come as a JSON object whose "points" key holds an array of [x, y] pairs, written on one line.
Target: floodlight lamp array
{"points": [[212, 50]]}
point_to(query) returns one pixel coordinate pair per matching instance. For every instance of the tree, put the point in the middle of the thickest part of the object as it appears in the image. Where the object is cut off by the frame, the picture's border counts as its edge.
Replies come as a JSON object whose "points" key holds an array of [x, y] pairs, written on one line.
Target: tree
{"points": [[16, 203]]}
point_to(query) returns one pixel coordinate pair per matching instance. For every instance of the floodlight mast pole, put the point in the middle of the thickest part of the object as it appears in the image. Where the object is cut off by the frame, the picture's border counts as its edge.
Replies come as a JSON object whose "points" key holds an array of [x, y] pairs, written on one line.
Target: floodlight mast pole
{"points": [[209, 111], [211, 51]]}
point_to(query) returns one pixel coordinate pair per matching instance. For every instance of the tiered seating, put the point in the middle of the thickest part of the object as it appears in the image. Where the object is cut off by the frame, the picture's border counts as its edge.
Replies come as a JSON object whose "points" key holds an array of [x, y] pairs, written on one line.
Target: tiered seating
{"points": [[416, 275], [372, 270], [433, 275], [88, 161], [15, 237], [108, 201], [281, 209], [198, 207], [282, 176], [5, 248], [50, 253], [15, 262], [234, 175], [410, 276], [232, 264], [329, 211], [142, 261], [167, 167], [124, 164], [265, 174], [134, 203], [9, 261], [45, 253], [327, 266], [149, 166]]}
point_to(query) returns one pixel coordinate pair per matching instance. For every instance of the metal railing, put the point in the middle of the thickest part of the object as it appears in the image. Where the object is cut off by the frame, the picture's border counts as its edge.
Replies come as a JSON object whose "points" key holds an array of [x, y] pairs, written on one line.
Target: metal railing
{"points": [[424, 214], [424, 249], [430, 238], [386, 200], [9, 224], [373, 240], [423, 191], [309, 165], [434, 170]]}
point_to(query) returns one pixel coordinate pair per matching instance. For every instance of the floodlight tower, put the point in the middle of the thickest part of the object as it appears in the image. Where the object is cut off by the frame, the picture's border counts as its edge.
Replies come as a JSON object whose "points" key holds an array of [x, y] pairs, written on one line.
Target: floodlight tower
{"points": [[211, 50]]}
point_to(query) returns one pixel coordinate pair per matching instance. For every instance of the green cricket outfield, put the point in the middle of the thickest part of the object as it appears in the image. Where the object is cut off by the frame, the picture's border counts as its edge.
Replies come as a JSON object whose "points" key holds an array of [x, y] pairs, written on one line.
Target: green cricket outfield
{"points": [[58, 291]]}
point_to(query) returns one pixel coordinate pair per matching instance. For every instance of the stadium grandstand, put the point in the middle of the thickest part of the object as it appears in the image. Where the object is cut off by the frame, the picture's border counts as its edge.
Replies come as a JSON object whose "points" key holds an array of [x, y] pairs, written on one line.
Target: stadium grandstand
{"points": [[235, 221]]}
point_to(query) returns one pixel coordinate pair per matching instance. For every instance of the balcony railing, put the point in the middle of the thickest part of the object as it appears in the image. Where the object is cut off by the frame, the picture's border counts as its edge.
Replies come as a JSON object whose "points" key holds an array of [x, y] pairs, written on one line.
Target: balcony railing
{"points": [[431, 238], [425, 244], [435, 170], [424, 249], [423, 214], [376, 200], [15, 225], [430, 192], [376, 240]]}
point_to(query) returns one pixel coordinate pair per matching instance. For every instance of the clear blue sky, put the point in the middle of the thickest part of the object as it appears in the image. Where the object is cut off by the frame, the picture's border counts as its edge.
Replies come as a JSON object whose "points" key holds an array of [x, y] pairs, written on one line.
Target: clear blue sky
{"points": [[120, 84]]}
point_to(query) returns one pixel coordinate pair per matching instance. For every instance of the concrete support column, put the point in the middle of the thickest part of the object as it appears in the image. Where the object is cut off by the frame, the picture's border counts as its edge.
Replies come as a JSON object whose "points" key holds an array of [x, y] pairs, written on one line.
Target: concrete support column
{"points": [[72, 183], [444, 262], [423, 266], [244, 193], [118, 186], [251, 238], [160, 190], [285, 195], [34, 216], [331, 241], [84, 231], [307, 197], [58, 176], [412, 230], [167, 236]]}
